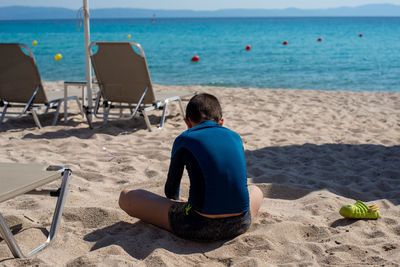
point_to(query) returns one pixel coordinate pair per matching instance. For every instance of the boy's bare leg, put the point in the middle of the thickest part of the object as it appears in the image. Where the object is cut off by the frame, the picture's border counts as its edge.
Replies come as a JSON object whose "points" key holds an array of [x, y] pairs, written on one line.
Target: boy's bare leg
{"points": [[146, 206], [153, 208], [256, 198]]}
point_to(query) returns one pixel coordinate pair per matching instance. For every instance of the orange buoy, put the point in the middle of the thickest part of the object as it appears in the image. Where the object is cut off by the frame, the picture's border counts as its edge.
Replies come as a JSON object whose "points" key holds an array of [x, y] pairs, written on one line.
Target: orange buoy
{"points": [[248, 47], [360, 35], [319, 39], [284, 42], [195, 58]]}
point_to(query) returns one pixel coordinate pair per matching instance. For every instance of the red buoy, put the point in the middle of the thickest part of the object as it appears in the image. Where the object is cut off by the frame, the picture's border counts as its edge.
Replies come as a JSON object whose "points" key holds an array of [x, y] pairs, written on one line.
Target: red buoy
{"points": [[248, 47], [195, 58], [319, 39], [284, 43], [360, 35]]}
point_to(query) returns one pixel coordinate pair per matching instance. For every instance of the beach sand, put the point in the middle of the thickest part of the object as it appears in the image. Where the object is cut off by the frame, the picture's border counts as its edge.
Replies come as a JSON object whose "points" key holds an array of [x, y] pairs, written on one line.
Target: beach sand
{"points": [[309, 151]]}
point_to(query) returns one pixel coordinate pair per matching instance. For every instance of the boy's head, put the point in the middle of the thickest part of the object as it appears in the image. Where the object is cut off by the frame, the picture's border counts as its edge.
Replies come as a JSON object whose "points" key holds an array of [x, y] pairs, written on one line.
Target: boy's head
{"points": [[203, 107]]}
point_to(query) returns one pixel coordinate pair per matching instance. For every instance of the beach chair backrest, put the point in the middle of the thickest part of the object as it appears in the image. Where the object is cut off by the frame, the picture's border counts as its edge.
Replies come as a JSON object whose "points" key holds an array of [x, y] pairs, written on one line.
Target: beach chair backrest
{"points": [[121, 72], [19, 75]]}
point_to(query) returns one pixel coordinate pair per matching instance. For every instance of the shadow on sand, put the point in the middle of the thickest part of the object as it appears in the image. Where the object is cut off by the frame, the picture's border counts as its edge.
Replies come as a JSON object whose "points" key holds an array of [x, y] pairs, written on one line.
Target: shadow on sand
{"points": [[134, 239], [365, 172], [113, 127]]}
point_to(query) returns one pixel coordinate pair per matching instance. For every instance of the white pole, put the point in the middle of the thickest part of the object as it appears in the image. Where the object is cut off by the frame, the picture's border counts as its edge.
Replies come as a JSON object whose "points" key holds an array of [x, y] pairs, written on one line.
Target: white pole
{"points": [[87, 57]]}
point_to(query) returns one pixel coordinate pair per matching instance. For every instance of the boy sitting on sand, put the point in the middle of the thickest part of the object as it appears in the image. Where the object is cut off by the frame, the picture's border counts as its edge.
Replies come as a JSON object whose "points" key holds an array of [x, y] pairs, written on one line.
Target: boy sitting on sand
{"points": [[220, 204]]}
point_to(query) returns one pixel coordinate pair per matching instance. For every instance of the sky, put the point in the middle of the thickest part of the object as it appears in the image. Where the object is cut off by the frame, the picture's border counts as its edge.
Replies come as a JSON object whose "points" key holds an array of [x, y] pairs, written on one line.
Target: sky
{"points": [[198, 5]]}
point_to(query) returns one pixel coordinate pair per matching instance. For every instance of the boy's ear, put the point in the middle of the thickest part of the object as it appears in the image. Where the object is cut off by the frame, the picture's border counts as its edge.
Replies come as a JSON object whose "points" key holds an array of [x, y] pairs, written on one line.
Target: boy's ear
{"points": [[221, 122], [188, 123]]}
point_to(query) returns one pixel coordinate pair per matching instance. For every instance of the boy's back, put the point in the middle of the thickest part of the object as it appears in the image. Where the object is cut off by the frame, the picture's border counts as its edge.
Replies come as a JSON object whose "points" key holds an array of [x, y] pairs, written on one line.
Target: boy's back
{"points": [[221, 170]]}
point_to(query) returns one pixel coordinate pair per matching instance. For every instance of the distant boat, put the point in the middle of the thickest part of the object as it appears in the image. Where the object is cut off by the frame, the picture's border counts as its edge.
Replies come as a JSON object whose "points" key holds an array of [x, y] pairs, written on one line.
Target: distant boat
{"points": [[154, 19]]}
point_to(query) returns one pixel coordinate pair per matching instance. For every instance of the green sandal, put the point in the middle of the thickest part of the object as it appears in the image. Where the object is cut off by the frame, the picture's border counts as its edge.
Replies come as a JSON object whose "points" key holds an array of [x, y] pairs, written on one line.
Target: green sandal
{"points": [[360, 211]]}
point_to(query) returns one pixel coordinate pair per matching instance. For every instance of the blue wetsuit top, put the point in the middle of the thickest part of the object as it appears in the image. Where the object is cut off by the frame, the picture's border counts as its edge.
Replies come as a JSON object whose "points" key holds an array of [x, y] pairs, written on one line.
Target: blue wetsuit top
{"points": [[214, 158]]}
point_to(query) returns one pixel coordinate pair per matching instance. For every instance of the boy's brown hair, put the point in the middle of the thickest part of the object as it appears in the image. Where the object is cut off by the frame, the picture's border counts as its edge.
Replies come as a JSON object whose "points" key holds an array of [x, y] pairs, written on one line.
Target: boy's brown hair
{"points": [[204, 107]]}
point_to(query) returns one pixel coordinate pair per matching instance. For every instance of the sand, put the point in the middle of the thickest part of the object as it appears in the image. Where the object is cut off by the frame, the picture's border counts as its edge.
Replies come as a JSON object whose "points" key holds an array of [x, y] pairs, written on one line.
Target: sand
{"points": [[309, 151]]}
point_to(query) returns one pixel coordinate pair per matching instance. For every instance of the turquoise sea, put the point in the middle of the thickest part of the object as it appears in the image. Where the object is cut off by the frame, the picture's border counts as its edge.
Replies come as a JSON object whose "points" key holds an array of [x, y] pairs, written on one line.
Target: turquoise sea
{"points": [[341, 61]]}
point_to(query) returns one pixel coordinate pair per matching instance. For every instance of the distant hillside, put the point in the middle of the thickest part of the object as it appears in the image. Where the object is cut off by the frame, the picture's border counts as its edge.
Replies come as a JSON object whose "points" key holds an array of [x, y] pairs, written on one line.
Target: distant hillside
{"points": [[29, 13]]}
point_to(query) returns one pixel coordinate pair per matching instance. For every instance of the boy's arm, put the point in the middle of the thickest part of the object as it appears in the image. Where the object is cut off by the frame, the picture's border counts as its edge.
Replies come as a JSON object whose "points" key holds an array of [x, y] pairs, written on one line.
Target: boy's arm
{"points": [[175, 172]]}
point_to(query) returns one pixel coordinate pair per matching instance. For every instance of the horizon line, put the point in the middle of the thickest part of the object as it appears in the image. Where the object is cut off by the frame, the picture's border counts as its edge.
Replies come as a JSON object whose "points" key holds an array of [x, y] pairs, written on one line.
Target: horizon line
{"points": [[209, 10]]}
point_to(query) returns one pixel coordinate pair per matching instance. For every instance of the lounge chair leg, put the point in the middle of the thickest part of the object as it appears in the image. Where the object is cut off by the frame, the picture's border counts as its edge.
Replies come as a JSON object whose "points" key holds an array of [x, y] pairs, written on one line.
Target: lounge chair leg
{"points": [[164, 112], [146, 119], [80, 107], [88, 117], [106, 112], [9, 238], [57, 113], [3, 115], [36, 119], [65, 103], [181, 107], [58, 210]]}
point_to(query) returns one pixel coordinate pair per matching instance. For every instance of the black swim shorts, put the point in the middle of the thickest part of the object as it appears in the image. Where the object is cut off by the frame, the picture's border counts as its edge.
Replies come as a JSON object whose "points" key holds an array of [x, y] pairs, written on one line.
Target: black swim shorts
{"points": [[188, 224]]}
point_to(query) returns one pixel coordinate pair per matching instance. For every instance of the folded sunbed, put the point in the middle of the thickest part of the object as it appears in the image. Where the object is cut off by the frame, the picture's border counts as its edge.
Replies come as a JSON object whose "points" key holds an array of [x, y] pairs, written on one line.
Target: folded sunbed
{"points": [[17, 179]]}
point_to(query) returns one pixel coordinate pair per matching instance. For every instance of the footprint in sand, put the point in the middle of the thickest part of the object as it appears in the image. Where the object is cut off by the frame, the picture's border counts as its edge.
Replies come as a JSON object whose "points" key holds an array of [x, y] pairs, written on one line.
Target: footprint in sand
{"points": [[91, 217]]}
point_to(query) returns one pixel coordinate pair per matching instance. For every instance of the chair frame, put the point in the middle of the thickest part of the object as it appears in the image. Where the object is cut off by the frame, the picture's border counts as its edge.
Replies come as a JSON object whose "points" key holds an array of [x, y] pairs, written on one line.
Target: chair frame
{"points": [[9, 237]]}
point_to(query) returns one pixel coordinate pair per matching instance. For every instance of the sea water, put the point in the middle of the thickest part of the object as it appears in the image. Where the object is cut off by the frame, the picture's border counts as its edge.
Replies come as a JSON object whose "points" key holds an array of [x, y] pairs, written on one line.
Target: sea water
{"points": [[341, 61]]}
